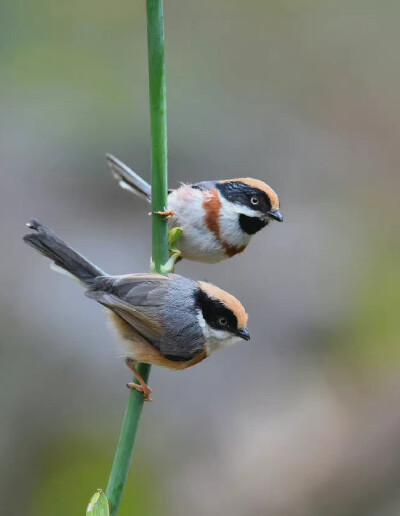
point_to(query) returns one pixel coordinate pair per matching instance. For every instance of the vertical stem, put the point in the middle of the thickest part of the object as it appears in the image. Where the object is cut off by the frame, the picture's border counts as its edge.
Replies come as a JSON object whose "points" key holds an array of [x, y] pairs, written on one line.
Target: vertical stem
{"points": [[158, 114], [126, 443]]}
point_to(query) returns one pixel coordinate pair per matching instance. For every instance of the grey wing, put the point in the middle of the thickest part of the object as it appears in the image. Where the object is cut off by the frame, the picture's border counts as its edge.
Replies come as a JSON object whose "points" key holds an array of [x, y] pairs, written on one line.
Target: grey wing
{"points": [[139, 299]]}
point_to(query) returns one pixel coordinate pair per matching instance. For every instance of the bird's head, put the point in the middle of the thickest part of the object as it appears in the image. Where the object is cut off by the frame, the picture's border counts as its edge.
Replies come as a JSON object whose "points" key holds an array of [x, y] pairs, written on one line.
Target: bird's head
{"points": [[221, 316], [255, 202]]}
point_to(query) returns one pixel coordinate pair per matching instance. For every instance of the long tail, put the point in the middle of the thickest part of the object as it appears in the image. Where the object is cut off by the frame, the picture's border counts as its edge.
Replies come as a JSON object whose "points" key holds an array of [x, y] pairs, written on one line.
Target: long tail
{"points": [[128, 179], [51, 246]]}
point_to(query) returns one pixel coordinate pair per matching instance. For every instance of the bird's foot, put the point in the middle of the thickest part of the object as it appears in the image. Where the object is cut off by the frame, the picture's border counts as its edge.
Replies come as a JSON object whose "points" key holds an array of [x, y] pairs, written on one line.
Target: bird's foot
{"points": [[141, 388], [166, 214]]}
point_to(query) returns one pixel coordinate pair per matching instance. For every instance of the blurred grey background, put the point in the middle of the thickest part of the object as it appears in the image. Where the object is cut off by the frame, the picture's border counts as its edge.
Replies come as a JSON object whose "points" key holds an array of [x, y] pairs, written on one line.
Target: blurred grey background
{"points": [[304, 419]]}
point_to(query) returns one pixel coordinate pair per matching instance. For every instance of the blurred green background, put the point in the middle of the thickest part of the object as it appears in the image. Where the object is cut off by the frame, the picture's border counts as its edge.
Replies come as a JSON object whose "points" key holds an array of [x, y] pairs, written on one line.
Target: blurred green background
{"points": [[301, 421]]}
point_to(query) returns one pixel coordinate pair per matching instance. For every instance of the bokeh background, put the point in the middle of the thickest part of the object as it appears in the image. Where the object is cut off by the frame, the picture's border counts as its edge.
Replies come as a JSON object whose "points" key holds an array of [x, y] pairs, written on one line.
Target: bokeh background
{"points": [[304, 419]]}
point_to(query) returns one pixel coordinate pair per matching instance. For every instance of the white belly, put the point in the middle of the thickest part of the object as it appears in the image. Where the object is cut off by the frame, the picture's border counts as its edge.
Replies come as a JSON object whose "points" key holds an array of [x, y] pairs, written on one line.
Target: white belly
{"points": [[198, 242]]}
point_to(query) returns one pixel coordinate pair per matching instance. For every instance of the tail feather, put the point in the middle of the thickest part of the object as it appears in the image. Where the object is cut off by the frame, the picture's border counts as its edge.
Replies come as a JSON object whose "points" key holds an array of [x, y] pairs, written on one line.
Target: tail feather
{"points": [[128, 179], [51, 246]]}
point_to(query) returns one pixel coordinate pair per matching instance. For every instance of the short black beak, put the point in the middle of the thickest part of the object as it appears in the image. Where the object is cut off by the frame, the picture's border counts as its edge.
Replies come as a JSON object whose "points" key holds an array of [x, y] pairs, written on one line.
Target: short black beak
{"points": [[276, 215], [243, 334]]}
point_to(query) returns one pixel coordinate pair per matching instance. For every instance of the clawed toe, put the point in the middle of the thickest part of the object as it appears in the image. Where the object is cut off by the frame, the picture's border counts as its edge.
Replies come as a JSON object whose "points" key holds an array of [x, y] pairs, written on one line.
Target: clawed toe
{"points": [[134, 386], [146, 392], [166, 214]]}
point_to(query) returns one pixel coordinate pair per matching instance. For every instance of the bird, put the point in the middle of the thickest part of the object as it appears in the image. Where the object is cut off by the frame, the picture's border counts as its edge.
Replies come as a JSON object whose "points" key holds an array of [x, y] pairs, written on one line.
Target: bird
{"points": [[165, 320], [218, 218]]}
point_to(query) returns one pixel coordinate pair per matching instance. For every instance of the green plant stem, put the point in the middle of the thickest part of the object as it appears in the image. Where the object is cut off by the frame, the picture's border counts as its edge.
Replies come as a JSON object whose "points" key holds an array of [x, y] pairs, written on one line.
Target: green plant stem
{"points": [[158, 114], [123, 455]]}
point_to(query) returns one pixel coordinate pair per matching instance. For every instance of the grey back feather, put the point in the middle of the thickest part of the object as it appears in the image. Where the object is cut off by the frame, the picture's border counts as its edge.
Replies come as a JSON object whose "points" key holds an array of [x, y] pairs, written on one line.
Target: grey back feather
{"points": [[160, 308]]}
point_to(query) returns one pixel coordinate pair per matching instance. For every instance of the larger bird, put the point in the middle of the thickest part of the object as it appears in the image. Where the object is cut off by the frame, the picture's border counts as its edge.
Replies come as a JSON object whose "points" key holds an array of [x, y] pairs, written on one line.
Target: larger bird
{"points": [[170, 321], [218, 218]]}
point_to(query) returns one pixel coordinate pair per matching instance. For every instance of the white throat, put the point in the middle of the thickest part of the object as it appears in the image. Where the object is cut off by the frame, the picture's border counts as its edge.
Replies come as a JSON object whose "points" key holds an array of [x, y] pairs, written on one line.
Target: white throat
{"points": [[215, 339]]}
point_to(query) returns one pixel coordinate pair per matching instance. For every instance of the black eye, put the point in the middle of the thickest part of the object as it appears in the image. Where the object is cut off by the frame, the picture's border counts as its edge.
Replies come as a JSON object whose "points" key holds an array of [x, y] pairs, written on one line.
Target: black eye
{"points": [[254, 201], [223, 321]]}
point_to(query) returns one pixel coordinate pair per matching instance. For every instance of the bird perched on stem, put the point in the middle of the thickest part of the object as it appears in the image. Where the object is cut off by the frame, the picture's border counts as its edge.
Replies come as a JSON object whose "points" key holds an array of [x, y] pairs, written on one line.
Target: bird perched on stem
{"points": [[170, 321], [217, 218]]}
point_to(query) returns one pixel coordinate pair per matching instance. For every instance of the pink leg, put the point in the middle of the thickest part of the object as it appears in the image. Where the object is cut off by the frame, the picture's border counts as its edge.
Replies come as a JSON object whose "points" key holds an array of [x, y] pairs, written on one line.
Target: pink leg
{"points": [[143, 387]]}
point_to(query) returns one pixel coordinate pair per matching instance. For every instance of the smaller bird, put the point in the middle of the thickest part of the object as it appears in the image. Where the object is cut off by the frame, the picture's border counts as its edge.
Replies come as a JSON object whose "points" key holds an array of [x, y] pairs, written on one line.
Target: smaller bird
{"points": [[169, 321], [218, 218]]}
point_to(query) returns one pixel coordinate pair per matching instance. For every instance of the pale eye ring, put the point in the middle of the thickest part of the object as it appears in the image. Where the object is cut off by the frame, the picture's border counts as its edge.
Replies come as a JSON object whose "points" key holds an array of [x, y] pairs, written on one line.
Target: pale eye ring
{"points": [[254, 201], [223, 321]]}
